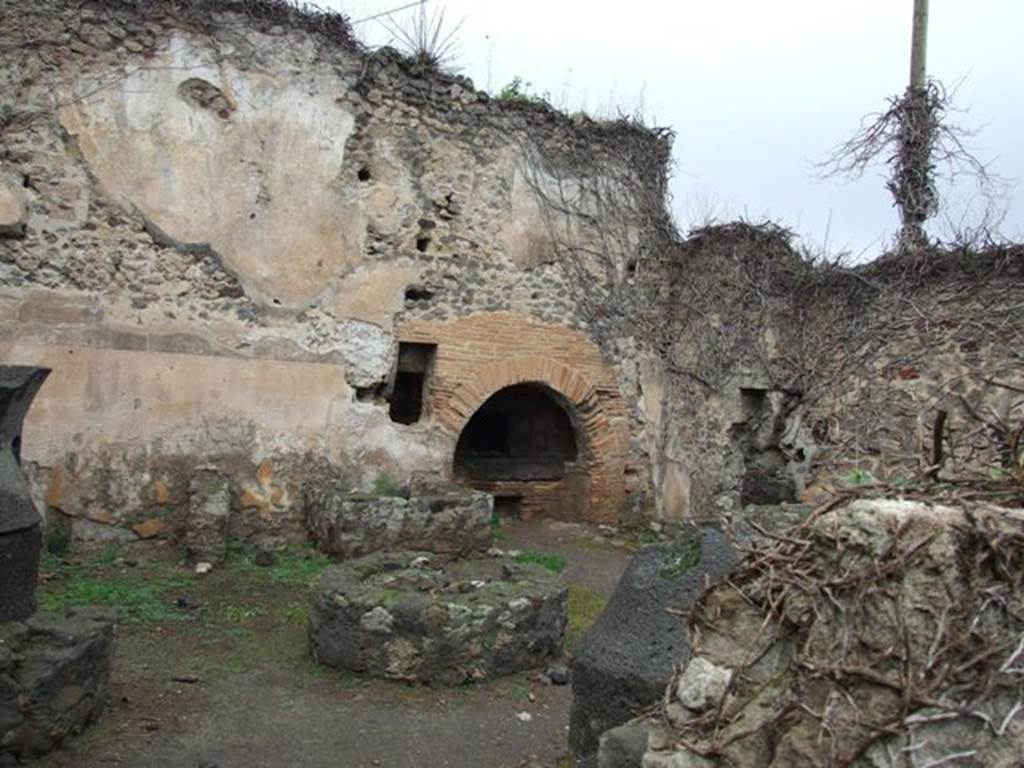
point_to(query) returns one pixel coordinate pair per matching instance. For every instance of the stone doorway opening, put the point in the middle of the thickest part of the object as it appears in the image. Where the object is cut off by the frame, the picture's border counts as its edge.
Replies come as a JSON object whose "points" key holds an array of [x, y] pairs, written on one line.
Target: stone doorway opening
{"points": [[523, 446]]}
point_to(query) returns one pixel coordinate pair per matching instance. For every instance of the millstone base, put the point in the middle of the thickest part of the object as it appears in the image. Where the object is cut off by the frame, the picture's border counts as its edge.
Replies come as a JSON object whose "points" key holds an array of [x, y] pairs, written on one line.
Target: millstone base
{"points": [[402, 616]]}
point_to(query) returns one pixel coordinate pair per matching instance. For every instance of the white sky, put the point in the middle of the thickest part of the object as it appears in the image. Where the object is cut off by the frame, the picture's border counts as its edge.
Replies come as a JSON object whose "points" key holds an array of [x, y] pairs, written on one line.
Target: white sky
{"points": [[756, 90]]}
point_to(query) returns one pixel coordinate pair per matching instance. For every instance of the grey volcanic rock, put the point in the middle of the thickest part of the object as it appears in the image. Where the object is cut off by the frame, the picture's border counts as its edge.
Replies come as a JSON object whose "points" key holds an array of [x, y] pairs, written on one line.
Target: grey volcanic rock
{"points": [[624, 745], [398, 615], [20, 534], [54, 673], [627, 658], [440, 517], [13, 207]]}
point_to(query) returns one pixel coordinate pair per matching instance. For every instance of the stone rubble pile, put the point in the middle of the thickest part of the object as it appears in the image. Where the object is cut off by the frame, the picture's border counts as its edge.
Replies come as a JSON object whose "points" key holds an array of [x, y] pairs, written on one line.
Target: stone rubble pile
{"points": [[881, 633]]}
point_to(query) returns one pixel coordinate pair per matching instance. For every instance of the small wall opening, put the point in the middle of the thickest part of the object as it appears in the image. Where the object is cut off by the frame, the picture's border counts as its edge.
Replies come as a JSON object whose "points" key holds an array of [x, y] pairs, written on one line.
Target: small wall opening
{"points": [[414, 293], [507, 506], [766, 478], [411, 380], [520, 433]]}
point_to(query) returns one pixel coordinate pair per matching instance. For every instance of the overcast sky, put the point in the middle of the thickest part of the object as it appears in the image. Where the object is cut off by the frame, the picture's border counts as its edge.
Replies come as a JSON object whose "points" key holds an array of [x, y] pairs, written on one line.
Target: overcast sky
{"points": [[757, 91]]}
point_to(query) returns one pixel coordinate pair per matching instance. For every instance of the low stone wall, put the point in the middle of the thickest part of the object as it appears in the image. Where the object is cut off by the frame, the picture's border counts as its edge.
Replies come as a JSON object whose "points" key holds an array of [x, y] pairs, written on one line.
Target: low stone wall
{"points": [[398, 615], [54, 672], [439, 517]]}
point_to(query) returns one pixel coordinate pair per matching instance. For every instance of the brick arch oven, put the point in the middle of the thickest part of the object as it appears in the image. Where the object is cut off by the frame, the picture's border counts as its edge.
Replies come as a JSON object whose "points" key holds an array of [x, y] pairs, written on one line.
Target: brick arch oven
{"points": [[522, 446], [536, 434]]}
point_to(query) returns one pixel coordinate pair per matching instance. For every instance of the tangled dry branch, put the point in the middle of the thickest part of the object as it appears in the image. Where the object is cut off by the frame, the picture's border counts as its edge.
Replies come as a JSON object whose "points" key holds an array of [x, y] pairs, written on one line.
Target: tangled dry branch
{"points": [[921, 146], [741, 301], [873, 657]]}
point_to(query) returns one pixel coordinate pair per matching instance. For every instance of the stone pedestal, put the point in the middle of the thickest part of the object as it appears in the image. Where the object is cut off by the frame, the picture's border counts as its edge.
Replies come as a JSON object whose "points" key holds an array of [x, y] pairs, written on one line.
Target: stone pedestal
{"points": [[209, 511], [627, 658], [20, 533], [438, 517]]}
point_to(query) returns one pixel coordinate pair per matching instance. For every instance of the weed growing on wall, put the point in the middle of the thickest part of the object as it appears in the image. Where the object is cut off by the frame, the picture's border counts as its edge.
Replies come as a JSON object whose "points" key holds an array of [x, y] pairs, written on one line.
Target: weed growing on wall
{"points": [[385, 485], [518, 90], [585, 605]]}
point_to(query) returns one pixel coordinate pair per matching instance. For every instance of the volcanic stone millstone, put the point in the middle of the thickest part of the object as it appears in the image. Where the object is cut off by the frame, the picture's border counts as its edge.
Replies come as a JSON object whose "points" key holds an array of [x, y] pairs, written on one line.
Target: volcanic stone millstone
{"points": [[400, 616], [627, 658], [20, 534]]}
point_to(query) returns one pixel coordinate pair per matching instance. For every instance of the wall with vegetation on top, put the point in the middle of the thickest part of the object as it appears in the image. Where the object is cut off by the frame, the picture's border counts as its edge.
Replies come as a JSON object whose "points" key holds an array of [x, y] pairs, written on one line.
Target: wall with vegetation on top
{"points": [[218, 220]]}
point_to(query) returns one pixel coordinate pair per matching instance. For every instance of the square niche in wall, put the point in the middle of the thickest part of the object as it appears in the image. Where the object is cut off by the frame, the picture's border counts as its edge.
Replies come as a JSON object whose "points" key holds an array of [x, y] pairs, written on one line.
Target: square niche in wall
{"points": [[411, 380]]}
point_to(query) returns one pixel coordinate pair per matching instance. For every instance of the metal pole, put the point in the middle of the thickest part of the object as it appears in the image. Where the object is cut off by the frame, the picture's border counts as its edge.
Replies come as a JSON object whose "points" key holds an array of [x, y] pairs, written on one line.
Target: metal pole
{"points": [[919, 46]]}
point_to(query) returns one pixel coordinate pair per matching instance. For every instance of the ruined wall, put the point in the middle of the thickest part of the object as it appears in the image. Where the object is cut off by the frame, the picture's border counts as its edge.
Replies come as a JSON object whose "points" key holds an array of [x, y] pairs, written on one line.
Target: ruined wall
{"points": [[217, 222], [911, 339], [789, 379]]}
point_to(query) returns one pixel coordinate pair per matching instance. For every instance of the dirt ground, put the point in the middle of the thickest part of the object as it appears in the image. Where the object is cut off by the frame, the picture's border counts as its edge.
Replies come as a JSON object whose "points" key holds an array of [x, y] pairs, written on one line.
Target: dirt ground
{"points": [[230, 684]]}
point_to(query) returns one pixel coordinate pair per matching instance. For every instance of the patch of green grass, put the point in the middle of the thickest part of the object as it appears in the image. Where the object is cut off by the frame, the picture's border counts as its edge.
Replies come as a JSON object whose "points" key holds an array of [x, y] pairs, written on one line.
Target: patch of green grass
{"points": [[238, 613], [51, 562], [858, 477], [99, 577], [585, 605], [684, 558], [249, 616], [132, 601], [238, 558], [497, 532], [643, 538], [106, 556], [554, 563], [299, 568], [519, 693], [296, 567]]}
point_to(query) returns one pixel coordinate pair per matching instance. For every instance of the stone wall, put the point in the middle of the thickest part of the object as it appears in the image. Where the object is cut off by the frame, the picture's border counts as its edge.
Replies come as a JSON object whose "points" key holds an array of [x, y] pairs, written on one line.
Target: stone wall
{"points": [[792, 379], [945, 335], [215, 226], [219, 222]]}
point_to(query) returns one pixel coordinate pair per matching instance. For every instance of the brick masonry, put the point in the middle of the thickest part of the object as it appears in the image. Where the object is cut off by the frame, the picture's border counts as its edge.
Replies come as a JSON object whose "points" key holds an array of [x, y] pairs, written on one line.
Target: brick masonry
{"points": [[484, 353]]}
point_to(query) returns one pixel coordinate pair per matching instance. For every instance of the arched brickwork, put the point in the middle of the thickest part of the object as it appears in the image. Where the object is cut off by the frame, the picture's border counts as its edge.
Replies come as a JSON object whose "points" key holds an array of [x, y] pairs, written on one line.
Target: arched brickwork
{"points": [[477, 355], [603, 437]]}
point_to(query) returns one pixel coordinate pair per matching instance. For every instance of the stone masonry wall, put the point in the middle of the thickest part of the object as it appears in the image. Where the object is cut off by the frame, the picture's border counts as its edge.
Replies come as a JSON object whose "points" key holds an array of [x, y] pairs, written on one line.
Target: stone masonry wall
{"points": [[213, 224], [837, 375]]}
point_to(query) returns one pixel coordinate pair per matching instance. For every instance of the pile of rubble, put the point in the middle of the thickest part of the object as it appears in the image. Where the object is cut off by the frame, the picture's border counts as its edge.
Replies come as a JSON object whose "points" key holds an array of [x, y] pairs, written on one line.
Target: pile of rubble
{"points": [[878, 633]]}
